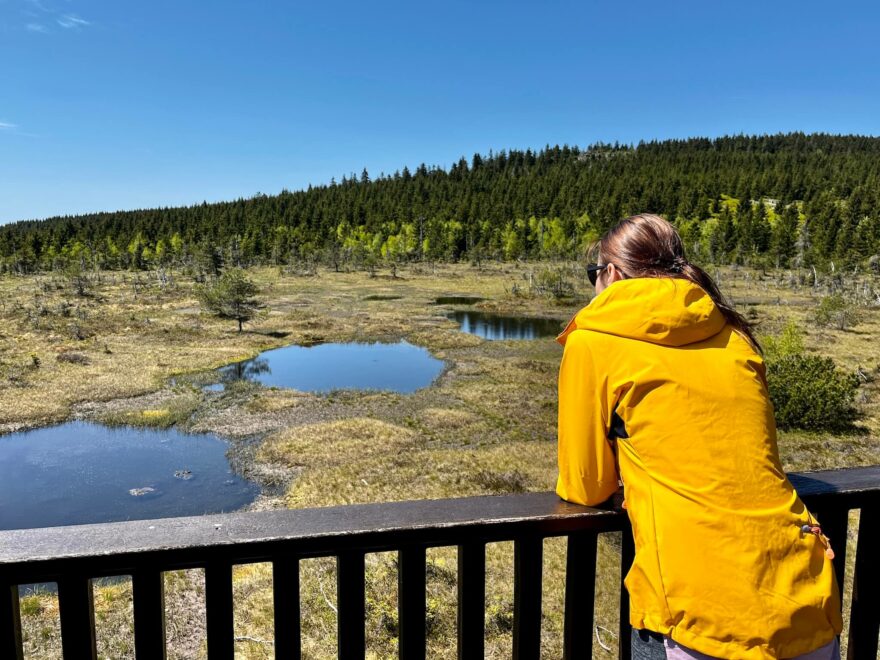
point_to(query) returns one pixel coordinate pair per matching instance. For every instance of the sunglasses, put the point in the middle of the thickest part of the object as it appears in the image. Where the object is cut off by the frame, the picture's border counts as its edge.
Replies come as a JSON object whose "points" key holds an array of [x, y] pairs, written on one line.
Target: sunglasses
{"points": [[593, 271]]}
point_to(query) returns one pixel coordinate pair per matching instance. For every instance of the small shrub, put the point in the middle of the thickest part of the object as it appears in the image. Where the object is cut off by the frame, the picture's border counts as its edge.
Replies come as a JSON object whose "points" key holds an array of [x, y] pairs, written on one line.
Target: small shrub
{"points": [[809, 392], [70, 357], [553, 282], [499, 617], [77, 331], [64, 309], [437, 571], [31, 605], [837, 311], [78, 280], [789, 342], [516, 291]]}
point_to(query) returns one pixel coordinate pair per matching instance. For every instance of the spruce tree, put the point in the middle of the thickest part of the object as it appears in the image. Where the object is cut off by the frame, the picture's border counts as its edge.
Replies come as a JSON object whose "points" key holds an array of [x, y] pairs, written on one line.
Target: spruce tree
{"points": [[785, 233], [232, 296]]}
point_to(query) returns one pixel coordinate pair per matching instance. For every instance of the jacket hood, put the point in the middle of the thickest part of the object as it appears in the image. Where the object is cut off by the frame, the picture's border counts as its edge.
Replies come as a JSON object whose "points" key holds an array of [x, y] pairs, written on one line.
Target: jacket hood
{"points": [[660, 310]]}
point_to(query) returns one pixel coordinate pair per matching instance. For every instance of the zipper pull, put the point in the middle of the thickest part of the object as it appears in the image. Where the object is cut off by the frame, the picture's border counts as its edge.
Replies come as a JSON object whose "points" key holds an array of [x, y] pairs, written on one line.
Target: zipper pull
{"points": [[815, 529]]}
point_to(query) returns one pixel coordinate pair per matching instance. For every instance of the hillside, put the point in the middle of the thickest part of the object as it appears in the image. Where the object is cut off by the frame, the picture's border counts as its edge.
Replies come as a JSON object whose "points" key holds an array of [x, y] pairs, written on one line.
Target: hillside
{"points": [[774, 200]]}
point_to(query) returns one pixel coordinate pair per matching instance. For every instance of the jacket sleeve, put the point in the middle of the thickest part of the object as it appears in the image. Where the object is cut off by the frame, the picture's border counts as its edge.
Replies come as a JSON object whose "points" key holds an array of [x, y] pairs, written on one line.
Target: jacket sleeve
{"points": [[587, 471]]}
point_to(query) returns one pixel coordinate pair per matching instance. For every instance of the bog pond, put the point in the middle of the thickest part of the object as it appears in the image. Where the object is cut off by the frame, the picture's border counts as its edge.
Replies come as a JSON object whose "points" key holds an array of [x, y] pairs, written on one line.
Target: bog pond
{"points": [[80, 472], [496, 326], [399, 367]]}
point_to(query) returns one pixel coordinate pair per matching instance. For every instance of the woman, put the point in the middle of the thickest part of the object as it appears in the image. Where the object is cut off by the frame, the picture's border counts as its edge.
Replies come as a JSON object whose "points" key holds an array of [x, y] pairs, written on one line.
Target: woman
{"points": [[662, 387]]}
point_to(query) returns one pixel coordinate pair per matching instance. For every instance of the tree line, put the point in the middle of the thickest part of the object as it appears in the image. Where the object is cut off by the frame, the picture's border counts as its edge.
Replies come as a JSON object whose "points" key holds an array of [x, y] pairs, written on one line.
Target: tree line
{"points": [[774, 200]]}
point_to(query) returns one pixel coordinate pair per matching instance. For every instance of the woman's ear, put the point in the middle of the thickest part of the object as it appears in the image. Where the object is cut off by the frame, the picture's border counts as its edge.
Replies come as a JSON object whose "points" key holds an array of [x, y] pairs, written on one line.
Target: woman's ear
{"points": [[612, 274]]}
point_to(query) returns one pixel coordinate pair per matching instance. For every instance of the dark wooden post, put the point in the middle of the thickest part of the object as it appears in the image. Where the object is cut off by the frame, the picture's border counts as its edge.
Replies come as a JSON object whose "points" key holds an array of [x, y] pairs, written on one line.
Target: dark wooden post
{"points": [[285, 592], [580, 593], [864, 617], [148, 595], [411, 599], [10, 623], [471, 600], [77, 609], [352, 609], [219, 611], [528, 569], [627, 555]]}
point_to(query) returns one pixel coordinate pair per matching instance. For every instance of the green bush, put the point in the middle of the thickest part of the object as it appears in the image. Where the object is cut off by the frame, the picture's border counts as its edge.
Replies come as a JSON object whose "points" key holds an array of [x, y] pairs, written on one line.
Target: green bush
{"points": [[810, 392], [837, 311], [789, 342], [552, 282]]}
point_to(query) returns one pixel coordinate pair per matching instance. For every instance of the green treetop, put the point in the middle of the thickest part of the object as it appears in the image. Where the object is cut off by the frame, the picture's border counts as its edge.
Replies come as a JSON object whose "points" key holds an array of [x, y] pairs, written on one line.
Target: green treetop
{"points": [[232, 296]]}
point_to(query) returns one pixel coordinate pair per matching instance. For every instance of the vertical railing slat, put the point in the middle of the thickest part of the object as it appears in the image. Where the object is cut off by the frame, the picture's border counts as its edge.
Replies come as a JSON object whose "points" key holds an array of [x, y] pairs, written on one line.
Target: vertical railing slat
{"points": [[834, 522], [527, 569], [580, 588], [10, 623], [218, 611], [148, 597], [351, 606], [285, 593], [864, 617], [411, 602], [627, 554], [76, 606], [471, 600]]}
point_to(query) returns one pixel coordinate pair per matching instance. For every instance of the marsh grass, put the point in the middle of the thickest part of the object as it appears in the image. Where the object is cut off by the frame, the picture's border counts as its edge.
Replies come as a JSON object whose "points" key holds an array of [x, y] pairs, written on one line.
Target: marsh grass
{"points": [[175, 410], [486, 426]]}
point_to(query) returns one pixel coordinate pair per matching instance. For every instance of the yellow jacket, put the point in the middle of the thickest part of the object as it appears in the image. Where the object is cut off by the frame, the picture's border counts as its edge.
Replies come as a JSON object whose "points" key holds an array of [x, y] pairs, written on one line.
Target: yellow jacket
{"points": [[722, 565]]}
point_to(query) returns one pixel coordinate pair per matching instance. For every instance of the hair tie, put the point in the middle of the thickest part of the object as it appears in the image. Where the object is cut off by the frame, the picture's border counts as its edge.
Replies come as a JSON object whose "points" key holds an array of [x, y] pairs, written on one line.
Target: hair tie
{"points": [[678, 264]]}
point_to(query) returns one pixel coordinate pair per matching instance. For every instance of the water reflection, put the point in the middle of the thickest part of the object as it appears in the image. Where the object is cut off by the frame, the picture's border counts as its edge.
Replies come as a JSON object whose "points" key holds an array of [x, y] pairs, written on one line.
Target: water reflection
{"points": [[247, 370], [80, 472], [494, 326], [457, 300], [399, 367]]}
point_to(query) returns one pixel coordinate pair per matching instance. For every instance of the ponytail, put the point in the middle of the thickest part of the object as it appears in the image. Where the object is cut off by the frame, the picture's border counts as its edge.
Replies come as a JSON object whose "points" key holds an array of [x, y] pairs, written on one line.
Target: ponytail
{"points": [[646, 245]]}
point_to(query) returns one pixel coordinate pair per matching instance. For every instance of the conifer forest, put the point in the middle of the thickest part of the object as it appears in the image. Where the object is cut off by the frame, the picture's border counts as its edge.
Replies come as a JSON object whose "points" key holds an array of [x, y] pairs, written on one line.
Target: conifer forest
{"points": [[762, 201]]}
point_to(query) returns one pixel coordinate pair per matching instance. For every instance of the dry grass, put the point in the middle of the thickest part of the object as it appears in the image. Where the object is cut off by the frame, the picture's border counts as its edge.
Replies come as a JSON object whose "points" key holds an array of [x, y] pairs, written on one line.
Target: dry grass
{"points": [[485, 427]]}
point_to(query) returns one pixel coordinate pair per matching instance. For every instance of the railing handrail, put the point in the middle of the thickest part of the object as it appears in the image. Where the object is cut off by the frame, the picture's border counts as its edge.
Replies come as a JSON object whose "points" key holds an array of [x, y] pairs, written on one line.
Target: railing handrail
{"points": [[113, 548], [254, 536]]}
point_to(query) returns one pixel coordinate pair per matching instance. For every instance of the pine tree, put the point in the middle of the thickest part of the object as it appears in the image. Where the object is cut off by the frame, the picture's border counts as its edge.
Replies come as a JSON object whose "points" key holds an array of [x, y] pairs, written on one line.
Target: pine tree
{"points": [[761, 230], [232, 296], [784, 241]]}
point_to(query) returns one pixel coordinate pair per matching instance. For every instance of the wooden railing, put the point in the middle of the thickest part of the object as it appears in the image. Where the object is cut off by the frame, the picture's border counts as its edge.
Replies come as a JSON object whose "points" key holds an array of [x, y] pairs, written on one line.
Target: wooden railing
{"points": [[73, 556]]}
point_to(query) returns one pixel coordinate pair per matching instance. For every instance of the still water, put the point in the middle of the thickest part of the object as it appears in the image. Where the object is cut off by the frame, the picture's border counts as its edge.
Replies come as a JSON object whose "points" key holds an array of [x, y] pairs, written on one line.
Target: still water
{"points": [[79, 472], [494, 326], [399, 367]]}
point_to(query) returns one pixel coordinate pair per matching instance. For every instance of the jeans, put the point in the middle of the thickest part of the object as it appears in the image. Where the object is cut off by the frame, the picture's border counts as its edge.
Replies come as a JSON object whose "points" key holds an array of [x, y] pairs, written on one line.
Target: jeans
{"points": [[647, 645]]}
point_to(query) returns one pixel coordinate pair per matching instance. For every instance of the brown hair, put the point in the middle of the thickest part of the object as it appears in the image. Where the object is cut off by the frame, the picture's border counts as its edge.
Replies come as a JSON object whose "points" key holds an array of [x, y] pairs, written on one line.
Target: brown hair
{"points": [[646, 245]]}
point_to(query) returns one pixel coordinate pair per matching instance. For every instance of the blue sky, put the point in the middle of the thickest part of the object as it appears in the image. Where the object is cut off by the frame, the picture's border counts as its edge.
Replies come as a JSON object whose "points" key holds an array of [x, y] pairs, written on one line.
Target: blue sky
{"points": [[120, 105]]}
